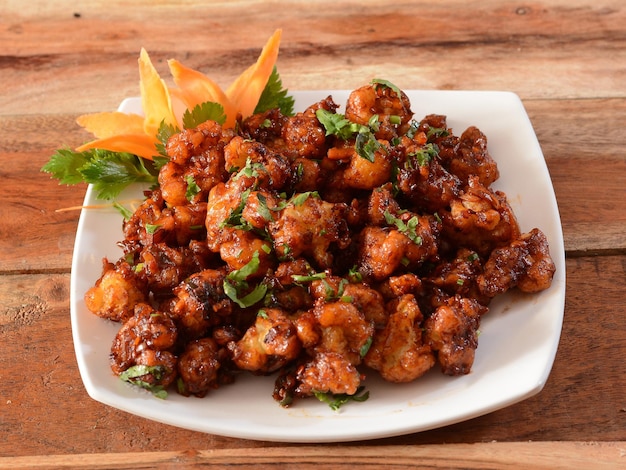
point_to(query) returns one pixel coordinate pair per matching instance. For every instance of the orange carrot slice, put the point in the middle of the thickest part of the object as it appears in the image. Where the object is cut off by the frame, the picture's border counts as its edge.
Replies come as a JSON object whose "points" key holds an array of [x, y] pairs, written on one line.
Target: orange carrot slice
{"points": [[196, 88], [138, 144], [246, 90], [103, 125], [155, 97]]}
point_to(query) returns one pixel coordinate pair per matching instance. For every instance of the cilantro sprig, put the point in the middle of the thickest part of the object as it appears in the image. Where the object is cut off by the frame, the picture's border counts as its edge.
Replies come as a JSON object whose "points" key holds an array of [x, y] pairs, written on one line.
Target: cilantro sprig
{"points": [[109, 172]]}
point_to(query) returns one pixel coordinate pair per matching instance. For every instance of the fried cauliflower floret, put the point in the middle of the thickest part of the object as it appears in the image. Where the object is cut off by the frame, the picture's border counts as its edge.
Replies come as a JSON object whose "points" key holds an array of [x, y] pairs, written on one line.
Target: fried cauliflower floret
{"points": [[362, 173], [164, 267], [116, 292], [253, 159], [146, 339], [459, 275], [525, 263], [424, 181], [200, 302], [452, 331], [480, 219], [269, 344], [226, 200], [398, 351], [327, 372], [382, 251], [472, 158], [198, 367], [310, 228], [304, 136], [196, 157], [337, 326], [366, 299], [392, 107]]}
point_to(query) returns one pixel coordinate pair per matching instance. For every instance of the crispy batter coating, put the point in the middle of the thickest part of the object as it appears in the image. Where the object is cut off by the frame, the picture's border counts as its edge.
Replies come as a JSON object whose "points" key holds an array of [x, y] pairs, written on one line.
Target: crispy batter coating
{"points": [[309, 228], [268, 345], [280, 247], [198, 367], [452, 331], [525, 263], [116, 292], [146, 339], [399, 352]]}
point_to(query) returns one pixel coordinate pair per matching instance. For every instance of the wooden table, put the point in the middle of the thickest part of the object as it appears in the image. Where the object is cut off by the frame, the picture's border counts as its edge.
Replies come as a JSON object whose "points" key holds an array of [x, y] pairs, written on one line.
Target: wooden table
{"points": [[566, 59]]}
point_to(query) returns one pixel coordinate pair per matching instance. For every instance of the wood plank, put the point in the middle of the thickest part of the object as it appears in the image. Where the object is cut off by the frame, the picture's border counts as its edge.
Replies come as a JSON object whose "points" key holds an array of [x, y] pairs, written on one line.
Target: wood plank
{"points": [[336, 45], [42, 399], [493, 455]]}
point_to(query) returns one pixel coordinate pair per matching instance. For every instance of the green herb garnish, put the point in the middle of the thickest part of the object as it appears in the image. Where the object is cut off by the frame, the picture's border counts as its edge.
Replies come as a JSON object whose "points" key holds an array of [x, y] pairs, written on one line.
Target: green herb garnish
{"points": [[337, 400]]}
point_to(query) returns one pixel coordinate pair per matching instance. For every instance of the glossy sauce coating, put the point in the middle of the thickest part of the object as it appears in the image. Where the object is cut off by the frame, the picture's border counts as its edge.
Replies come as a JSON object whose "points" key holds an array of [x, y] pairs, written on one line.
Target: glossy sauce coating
{"points": [[316, 257]]}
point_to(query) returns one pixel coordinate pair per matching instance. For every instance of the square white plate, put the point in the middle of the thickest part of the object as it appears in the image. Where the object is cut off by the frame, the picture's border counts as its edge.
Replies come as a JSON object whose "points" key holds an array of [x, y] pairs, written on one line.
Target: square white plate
{"points": [[517, 345]]}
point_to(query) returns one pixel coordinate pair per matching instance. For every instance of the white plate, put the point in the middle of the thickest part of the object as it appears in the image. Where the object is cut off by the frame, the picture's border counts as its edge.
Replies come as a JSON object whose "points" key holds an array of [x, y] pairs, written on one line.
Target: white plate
{"points": [[517, 345]]}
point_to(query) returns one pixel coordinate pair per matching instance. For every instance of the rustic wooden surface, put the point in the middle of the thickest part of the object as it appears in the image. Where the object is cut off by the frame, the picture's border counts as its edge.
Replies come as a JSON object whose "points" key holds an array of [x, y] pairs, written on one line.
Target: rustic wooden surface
{"points": [[565, 59]]}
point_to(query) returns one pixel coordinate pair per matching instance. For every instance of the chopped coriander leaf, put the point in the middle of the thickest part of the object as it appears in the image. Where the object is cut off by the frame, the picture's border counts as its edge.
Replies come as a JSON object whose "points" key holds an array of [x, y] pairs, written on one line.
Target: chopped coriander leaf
{"points": [[374, 123], [336, 401], [275, 96], [235, 284], [366, 146], [366, 347], [298, 199], [388, 84], [408, 228], [192, 188], [126, 213], [152, 228], [163, 135], [263, 209], [337, 124], [437, 132], [203, 112], [308, 278], [239, 275], [134, 374], [422, 156]]}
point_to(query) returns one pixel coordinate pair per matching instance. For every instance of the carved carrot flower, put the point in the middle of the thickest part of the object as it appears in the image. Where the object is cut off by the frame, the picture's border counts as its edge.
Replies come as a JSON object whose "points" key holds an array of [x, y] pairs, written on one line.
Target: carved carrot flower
{"points": [[126, 144], [132, 133], [241, 98]]}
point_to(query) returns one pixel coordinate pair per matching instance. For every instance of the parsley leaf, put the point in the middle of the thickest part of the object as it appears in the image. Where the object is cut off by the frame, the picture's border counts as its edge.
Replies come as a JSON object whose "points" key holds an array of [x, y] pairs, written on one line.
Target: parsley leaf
{"points": [[207, 111], [275, 96]]}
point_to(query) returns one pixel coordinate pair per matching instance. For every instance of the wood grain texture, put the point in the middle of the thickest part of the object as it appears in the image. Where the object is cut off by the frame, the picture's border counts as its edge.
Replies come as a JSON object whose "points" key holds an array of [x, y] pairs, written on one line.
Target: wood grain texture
{"points": [[501, 456], [564, 58], [554, 49]]}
